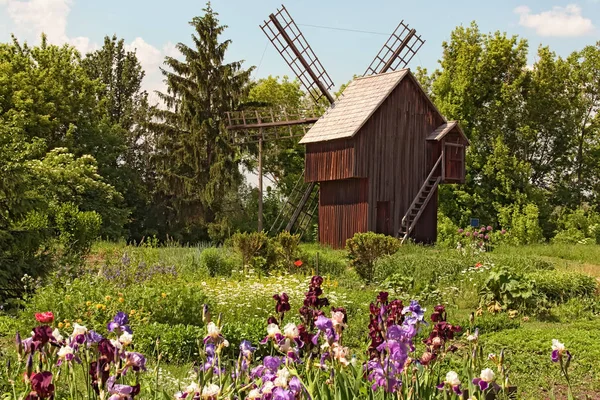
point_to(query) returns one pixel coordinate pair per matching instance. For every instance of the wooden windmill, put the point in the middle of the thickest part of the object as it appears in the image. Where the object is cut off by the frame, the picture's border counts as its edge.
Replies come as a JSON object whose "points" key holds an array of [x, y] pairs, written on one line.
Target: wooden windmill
{"points": [[258, 126]]}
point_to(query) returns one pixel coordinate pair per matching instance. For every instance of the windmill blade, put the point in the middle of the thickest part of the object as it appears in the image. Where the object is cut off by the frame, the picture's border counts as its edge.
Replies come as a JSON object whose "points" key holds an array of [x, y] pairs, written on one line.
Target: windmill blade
{"points": [[283, 32], [397, 52]]}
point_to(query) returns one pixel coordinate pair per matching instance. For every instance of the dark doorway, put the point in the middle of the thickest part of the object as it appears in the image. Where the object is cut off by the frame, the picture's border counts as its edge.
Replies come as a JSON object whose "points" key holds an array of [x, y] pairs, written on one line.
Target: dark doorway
{"points": [[384, 220]]}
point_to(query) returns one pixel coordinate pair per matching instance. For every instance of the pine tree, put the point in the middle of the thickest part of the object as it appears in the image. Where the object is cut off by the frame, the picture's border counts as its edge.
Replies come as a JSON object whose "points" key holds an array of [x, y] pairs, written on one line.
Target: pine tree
{"points": [[196, 164]]}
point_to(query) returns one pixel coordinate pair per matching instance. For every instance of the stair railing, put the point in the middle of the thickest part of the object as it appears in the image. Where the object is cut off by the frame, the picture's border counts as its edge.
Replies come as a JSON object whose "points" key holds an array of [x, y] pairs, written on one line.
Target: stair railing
{"points": [[436, 165]]}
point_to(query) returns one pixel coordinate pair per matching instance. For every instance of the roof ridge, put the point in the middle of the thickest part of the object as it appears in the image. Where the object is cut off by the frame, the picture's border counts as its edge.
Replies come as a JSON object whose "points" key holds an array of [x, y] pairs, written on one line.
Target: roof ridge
{"points": [[384, 73]]}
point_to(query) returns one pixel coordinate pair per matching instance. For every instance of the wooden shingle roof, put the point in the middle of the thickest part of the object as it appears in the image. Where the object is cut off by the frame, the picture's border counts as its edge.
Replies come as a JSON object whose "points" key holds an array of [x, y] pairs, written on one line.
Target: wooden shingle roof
{"points": [[354, 107], [444, 129]]}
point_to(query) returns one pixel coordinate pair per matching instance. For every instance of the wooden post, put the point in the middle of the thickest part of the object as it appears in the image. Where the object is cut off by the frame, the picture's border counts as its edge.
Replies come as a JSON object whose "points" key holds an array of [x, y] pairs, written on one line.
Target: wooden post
{"points": [[260, 182]]}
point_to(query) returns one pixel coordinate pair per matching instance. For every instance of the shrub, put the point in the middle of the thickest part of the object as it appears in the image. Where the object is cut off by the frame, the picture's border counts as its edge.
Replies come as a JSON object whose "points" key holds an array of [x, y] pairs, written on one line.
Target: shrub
{"points": [[287, 249], [256, 250], [560, 286], [523, 223], [578, 226], [365, 248], [508, 290], [219, 261]]}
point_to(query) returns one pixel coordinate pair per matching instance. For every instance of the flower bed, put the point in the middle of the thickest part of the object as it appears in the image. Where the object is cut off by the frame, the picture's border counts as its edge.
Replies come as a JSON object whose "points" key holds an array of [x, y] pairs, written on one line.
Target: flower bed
{"points": [[407, 356]]}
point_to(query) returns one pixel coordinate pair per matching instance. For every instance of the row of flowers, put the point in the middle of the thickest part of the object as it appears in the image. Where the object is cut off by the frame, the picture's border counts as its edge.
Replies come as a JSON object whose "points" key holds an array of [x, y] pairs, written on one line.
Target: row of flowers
{"points": [[405, 357]]}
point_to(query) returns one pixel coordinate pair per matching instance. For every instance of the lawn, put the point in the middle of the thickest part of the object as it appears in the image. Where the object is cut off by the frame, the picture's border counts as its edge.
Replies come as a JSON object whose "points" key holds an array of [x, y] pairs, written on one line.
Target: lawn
{"points": [[550, 295]]}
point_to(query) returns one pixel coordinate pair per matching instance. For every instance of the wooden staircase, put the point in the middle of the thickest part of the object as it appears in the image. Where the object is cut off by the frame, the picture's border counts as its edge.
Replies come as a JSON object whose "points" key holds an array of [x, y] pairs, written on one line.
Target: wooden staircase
{"points": [[410, 219]]}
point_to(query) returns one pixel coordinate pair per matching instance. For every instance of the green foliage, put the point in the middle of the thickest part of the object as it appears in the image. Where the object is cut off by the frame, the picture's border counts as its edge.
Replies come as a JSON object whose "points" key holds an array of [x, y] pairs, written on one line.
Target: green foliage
{"points": [[488, 323], [365, 248], [581, 225], [219, 261], [508, 290], [330, 262], [522, 222], [287, 249], [176, 343], [196, 166], [561, 286], [252, 245]]}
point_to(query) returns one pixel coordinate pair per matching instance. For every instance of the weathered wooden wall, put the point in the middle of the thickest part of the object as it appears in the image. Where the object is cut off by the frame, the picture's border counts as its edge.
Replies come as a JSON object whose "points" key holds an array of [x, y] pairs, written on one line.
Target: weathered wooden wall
{"points": [[391, 151], [342, 210], [332, 160]]}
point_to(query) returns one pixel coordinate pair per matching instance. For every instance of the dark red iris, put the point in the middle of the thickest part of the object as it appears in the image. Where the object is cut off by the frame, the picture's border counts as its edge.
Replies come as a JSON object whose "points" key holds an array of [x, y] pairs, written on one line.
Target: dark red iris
{"points": [[283, 303], [41, 383], [42, 335]]}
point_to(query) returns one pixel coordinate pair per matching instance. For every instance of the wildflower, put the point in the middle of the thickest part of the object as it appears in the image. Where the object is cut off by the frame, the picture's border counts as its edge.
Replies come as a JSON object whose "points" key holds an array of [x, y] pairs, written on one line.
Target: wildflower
{"points": [[489, 228], [460, 230], [164, 295], [41, 383], [325, 325], [98, 306], [88, 303], [291, 331], [210, 392], [452, 381], [121, 300], [503, 231], [478, 265], [298, 263], [558, 349], [45, 317], [107, 298], [485, 378], [61, 325]]}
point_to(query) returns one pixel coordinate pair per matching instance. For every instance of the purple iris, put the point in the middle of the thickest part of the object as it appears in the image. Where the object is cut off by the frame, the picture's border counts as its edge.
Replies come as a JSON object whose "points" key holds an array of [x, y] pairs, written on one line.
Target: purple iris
{"points": [[93, 337], [455, 388], [119, 323], [282, 394], [246, 348], [556, 355], [135, 361], [295, 385], [119, 391], [325, 325], [414, 313], [483, 385], [272, 363]]}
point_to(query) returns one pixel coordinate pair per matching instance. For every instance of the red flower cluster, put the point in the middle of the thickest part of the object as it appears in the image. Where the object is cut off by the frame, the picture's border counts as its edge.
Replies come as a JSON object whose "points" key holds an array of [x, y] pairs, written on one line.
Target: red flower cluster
{"points": [[441, 333], [45, 317]]}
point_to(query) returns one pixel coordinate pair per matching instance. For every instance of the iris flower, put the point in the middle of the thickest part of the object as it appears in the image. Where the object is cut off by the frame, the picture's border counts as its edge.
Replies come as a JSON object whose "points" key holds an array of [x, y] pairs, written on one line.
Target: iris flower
{"points": [[121, 392], [119, 323], [42, 385]]}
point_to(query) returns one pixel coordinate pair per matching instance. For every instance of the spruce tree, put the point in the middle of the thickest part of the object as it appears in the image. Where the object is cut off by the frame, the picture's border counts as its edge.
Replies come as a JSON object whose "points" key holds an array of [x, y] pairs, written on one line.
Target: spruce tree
{"points": [[196, 164]]}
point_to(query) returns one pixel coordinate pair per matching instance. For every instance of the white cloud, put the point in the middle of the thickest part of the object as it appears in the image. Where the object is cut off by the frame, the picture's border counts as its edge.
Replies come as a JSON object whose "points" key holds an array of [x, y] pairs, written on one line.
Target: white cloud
{"points": [[31, 18], [559, 21]]}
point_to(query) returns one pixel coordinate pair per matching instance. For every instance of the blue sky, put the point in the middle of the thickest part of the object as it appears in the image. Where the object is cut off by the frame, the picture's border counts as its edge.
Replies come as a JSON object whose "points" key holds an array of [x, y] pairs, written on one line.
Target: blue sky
{"points": [[152, 27]]}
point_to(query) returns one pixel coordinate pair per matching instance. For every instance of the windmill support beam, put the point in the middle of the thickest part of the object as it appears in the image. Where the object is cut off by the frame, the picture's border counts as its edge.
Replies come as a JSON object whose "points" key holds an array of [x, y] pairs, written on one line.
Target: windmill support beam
{"points": [[300, 57], [260, 125], [300, 207], [402, 46]]}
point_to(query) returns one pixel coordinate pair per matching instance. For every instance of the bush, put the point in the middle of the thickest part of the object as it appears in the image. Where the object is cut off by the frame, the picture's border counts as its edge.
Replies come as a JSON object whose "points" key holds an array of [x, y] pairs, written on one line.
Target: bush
{"points": [[219, 261], [365, 248], [287, 249], [560, 286], [578, 226], [522, 222], [256, 249], [508, 290]]}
